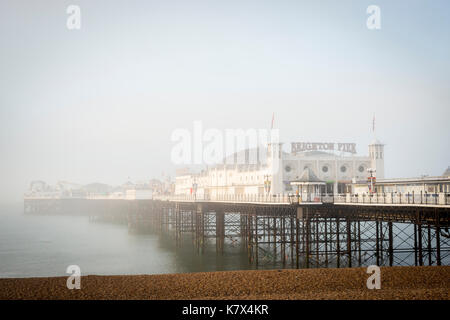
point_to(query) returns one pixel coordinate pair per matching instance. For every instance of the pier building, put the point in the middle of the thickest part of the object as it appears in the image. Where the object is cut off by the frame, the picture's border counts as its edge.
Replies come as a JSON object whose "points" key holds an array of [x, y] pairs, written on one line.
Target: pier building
{"points": [[336, 164]]}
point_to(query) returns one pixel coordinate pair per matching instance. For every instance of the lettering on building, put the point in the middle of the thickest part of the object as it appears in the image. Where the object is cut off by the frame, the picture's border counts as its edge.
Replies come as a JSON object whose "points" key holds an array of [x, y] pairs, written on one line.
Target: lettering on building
{"points": [[323, 146]]}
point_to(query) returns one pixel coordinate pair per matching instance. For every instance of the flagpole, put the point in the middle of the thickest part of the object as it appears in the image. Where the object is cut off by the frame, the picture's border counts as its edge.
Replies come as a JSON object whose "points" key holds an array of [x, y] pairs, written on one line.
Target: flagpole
{"points": [[373, 126]]}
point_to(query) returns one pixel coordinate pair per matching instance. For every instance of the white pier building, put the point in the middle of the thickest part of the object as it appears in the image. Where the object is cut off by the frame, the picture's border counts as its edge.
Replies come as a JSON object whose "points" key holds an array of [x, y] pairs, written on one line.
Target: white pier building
{"points": [[336, 164]]}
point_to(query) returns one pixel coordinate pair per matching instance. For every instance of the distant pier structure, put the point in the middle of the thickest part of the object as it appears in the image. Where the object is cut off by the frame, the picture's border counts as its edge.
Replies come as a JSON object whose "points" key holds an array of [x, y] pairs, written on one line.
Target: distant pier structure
{"points": [[297, 231]]}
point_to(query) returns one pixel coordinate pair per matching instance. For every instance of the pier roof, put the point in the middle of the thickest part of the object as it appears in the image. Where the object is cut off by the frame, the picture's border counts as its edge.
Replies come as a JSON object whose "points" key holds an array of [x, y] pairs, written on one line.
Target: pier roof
{"points": [[308, 177]]}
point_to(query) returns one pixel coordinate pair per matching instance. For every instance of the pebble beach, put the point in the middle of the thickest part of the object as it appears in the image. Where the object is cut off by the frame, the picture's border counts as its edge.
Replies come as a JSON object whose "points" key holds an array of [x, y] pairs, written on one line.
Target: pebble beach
{"points": [[348, 283]]}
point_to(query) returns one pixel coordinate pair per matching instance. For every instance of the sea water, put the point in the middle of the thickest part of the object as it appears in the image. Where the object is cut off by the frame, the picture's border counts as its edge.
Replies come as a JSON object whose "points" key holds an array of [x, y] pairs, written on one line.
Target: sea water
{"points": [[45, 245]]}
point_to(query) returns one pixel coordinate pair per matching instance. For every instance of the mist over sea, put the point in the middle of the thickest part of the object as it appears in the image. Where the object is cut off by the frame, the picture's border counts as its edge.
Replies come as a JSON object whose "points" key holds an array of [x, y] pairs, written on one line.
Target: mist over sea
{"points": [[45, 245]]}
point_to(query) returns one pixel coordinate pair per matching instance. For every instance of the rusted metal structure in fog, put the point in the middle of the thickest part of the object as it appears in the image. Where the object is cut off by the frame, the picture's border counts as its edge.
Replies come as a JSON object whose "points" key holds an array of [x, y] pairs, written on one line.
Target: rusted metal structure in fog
{"points": [[325, 232]]}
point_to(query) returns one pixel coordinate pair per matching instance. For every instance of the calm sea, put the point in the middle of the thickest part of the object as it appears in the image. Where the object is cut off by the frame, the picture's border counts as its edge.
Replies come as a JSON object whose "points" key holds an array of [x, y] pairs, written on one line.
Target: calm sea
{"points": [[44, 245]]}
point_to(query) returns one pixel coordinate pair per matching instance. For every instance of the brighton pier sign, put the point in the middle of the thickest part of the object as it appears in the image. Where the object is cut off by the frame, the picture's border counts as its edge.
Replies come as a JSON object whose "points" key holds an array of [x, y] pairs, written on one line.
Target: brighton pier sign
{"points": [[323, 146]]}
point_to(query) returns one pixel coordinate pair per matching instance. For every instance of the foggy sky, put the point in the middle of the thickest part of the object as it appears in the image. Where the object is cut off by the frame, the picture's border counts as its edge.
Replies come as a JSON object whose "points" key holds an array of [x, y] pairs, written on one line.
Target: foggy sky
{"points": [[99, 104]]}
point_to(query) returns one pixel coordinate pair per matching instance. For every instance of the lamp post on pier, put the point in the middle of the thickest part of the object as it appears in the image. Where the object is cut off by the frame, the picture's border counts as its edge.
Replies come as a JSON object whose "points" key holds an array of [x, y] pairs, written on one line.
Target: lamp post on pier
{"points": [[371, 179], [267, 184], [194, 189]]}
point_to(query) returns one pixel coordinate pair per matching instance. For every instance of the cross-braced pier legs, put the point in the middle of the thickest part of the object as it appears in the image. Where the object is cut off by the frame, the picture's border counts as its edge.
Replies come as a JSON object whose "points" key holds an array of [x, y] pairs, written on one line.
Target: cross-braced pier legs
{"points": [[287, 236]]}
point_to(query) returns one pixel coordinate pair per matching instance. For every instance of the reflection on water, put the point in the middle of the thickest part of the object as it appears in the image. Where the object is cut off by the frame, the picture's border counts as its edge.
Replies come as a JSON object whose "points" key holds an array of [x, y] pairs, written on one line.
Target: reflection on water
{"points": [[38, 246]]}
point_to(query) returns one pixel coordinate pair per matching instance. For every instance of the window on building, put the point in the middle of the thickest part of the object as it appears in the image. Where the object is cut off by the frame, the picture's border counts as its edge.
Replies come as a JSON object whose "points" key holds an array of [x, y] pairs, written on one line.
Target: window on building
{"points": [[325, 168], [361, 169], [343, 168]]}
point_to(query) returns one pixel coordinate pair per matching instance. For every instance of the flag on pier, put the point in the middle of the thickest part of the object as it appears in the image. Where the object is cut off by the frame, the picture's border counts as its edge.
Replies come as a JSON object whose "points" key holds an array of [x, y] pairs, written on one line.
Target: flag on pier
{"points": [[273, 118]]}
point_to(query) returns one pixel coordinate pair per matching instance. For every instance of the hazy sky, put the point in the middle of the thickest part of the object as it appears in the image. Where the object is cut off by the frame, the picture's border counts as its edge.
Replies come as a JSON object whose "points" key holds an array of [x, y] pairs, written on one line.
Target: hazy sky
{"points": [[100, 103]]}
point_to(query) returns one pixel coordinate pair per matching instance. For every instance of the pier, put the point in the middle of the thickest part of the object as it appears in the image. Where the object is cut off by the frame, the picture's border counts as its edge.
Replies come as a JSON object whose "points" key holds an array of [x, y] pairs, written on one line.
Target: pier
{"points": [[307, 231]]}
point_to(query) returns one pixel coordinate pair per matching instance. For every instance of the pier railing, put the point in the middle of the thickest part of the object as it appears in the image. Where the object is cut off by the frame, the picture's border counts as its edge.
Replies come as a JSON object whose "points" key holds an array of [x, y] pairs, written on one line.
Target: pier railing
{"points": [[244, 198], [422, 198]]}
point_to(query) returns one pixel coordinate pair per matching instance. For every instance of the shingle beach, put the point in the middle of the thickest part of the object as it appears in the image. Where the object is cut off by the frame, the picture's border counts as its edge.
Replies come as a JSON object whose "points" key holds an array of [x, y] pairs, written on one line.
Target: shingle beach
{"points": [[396, 283]]}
